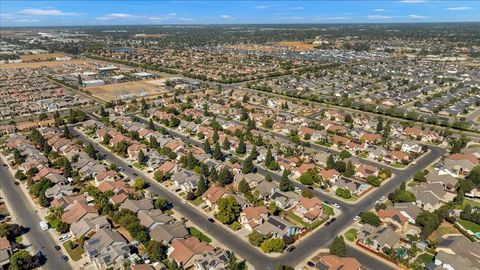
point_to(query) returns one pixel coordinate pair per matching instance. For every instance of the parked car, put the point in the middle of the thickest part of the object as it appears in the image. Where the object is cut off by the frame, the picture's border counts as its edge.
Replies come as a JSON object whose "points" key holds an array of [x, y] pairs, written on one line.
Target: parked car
{"points": [[57, 247], [355, 218], [336, 205], [43, 225], [291, 248], [64, 258]]}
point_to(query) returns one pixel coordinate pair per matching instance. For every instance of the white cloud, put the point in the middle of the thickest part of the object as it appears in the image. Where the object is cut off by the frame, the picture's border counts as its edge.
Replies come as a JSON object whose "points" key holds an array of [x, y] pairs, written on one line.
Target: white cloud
{"points": [[379, 10], [378, 17], [45, 12], [459, 8], [297, 8], [415, 16], [412, 1], [115, 16], [261, 7], [185, 19], [228, 17]]}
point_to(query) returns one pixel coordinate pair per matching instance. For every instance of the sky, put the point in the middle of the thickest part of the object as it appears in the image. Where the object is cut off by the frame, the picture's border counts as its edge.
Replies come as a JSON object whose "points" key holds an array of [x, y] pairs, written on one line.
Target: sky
{"points": [[134, 12]]}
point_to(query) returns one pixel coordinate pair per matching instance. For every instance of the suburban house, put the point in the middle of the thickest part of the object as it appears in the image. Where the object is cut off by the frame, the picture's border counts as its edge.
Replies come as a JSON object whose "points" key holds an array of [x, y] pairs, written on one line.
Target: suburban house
{"points": [[277, 227], [457, 252], [309, 209], [183, 250], [251, 217], [378, 237], [185, 179], [212, 195], [460, 164], [166, 233]]}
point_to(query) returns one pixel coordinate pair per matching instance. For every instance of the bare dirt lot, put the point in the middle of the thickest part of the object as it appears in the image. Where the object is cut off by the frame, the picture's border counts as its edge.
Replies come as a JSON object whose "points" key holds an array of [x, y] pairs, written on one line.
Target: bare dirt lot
{"points": [[40, 64], [297, 45], [45, 56], [127, 90]]}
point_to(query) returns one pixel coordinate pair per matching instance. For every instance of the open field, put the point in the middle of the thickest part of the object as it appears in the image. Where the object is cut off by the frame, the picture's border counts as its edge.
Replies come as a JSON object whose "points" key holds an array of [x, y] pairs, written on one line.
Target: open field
{"points": [[297, 45], [127, 90], [40, 64], [445, 228], [34, 57]]}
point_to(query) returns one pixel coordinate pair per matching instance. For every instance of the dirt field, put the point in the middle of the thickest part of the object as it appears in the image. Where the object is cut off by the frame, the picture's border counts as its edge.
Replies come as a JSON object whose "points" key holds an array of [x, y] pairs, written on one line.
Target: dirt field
{"points": [[40, 64], [134, 89], [296, 45], [45, 56]]}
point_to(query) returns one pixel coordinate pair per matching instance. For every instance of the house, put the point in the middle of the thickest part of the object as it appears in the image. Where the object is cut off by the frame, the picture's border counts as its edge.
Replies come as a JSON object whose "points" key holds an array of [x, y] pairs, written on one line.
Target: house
{"points": [[105, 176], [456, 252], [59, 190], [166, 233], [430, 196], [5, 251], [183, 250], [212, 195], [185, 179], [413, 132], [134, 149], [252, 179], [266, 189], [396, 156], [285, 200], [102, 239], [365, 170], [449, 182], [152, 218], [137, 205], [378, 237], [79, 211], [211, 260], [394, 218], [370, 137], [408, 210], [167, 167], [251, 217], [115, 256], [277, 227], [333, 262], [330, 175], [411, 147], [309, 209], [86, 226], [460, 164]]}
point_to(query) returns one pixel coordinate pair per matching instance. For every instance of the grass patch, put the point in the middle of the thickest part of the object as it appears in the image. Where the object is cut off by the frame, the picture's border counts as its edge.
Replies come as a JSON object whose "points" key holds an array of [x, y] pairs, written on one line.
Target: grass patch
{"points": [[468, 225], [471, 202], [54, 223], [195, 232], [363, 155], [397, 165], [299, 220], [351, 234], [168, 211], [18, 239], [425, 258], [138, 166], [328, 210], [75, 253], [443, 229], [197, 201]]}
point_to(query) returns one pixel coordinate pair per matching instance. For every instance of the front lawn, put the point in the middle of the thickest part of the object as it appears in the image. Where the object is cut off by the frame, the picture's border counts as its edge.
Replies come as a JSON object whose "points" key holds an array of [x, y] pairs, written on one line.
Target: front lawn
{"points": [[351, 234], [299, 220], [54, 223], [398, 165], [328, 210], [138, 166], [468, 225], [197, 201], [195, 232], [425, 258], [471, 202], [18, 239], [75, 253]]}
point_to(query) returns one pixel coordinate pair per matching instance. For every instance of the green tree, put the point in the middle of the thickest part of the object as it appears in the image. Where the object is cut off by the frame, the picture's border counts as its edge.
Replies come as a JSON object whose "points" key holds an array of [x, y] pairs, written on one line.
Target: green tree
{"points": [[141, 157], [285, 183], [338, 247], [269, 158], [241, 148], [243, 186], [255, 238], [106, 139], [428, 222], [226, 144], [228, 210], [156, 250], [373, 180], [225, 177], [21, 260], [273, 245], [247, 166], [162, 204], [217, 152], [90, 150], [330, 162], [370, 218], [253, 153], [349, 170], [202, 186], [139, 184], [206, 147]]}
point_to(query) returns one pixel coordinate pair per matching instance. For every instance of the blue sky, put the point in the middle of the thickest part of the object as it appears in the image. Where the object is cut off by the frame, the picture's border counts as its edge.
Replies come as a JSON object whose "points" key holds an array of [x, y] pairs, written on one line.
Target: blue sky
{"points": [[59, 13]]}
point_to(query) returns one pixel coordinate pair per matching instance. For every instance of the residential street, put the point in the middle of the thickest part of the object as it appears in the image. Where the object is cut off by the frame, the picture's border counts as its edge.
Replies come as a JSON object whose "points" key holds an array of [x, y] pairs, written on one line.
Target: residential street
{"points": [[27, 217], [304, 248]]}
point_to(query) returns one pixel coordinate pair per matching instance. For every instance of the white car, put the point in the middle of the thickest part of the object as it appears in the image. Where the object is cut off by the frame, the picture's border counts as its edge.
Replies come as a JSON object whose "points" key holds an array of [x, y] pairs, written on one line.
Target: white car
{"points": [[44, 225], [382, 198], [355, 218], [336, 205]]}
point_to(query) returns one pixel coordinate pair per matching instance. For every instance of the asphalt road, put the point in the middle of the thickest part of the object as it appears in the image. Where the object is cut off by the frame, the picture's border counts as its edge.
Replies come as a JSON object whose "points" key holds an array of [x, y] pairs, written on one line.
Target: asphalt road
{"points": [[320, 238], [28, 217]]}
